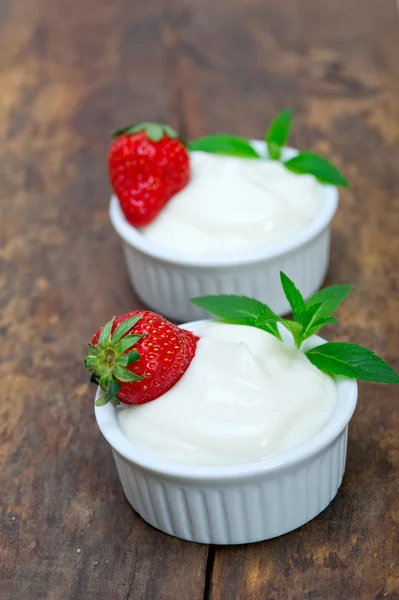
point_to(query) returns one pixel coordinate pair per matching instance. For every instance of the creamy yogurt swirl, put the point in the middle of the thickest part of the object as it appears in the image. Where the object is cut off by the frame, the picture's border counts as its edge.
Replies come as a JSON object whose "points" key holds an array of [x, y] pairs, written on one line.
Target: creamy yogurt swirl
{"points": [[235, 205], [246, 396]]}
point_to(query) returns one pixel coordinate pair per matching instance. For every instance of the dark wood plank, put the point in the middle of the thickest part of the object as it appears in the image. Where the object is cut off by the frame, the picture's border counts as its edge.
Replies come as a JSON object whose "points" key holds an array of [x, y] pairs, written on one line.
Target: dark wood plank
{"points": [[336, 64], [70, 72]]}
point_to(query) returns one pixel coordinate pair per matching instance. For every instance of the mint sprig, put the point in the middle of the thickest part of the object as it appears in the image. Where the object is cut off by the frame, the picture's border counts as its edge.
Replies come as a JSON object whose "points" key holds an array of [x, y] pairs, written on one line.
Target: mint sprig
{"points": [[334, 358], [276, 139]]}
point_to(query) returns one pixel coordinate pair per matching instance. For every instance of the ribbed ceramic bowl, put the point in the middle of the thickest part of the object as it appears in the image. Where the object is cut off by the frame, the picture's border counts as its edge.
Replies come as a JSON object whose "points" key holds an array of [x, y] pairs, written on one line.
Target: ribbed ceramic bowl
{"points": [[166, 280], [235, 504]]}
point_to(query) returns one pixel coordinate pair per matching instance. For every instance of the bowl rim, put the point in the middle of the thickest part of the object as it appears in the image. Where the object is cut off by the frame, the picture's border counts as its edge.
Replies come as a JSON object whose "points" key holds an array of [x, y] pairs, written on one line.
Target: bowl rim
{"points": [[146, 459], [132, 236]]}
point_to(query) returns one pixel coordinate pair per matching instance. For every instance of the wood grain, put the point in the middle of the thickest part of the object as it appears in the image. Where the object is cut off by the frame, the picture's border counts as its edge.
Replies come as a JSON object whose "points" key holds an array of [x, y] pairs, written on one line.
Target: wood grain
{"points": [[70, 72]]}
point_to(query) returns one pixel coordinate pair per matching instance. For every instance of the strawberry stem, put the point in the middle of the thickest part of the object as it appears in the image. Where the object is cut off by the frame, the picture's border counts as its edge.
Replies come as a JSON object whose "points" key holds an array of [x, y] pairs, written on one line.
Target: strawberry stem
{"points": [[155, 131], [107, 360]]}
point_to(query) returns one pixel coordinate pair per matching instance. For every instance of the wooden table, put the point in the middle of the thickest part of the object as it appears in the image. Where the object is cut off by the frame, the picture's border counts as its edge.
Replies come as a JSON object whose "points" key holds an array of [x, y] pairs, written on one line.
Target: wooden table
{"points": [[71, 72]]}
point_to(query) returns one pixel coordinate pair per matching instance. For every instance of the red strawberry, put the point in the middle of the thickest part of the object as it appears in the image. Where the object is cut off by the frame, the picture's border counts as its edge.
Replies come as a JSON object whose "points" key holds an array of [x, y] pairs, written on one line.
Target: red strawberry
{"points": [[147, 165], [139, 356]]}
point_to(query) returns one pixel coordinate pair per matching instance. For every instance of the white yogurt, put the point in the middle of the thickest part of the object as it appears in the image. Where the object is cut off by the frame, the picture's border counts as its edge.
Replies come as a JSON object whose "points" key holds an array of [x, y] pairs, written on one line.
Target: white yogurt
{"points": [[245, 396], [235, 205]]}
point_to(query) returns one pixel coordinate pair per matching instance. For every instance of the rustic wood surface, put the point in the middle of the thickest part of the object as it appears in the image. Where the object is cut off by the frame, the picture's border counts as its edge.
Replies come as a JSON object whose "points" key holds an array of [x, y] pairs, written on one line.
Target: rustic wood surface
{"points": [[70, 72]]}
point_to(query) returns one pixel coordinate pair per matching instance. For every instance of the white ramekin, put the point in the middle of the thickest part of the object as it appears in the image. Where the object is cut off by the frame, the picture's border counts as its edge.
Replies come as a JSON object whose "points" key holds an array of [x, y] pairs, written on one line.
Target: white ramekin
{"points": [[235, 504], [166, 280]]}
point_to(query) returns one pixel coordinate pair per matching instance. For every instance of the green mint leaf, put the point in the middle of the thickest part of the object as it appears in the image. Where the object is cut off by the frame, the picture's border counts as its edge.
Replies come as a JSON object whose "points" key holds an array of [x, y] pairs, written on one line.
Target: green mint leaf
{"points": [[124, 328], [321, 168], [125, 375], [294, 297], [239, 310], [230, 145], [105, 335], [293, 327], [127, 342], [268, 322], [94, 379], [315, 319], [330, 298], [270, 326], [113, 388], [352, 360], [319, 324], [278, 133], [102, 400], [313, 314], [274, 151], [321, 305]]}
